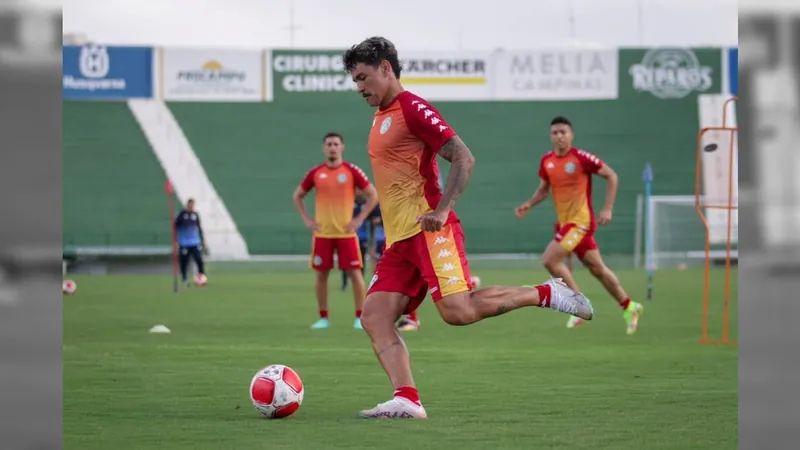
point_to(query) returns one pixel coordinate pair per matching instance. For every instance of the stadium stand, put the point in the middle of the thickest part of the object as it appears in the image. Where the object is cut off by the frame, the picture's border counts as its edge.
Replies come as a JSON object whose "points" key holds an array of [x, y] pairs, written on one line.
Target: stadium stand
{"points": [[114, 201]]}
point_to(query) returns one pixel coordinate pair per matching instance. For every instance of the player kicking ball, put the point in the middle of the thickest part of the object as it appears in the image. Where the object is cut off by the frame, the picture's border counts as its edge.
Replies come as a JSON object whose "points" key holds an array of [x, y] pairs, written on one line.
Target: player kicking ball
{"points": [[334, 227], [424, 241], [567, 172]]}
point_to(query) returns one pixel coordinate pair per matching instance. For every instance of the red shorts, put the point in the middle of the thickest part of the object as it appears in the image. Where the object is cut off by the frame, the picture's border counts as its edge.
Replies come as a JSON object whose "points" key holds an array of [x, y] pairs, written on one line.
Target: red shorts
{"points": [[347, 250], [576, 239], [426, 263]]}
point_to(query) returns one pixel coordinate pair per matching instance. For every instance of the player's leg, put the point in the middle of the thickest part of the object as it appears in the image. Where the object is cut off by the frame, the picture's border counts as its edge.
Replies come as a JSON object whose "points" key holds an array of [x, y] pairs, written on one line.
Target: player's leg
{"points": [[589, 254], [183, 264], [197, 255], [396, 287], [410, 321], [344, 280], [557, 229], [351, 261], [322, 263], [446, 270], [565, 241]]}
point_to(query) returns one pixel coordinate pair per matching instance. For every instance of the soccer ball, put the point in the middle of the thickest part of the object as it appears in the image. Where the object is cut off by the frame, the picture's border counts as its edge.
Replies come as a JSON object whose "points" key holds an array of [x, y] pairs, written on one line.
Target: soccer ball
{"points": [[476, 281], [69, 287], [200, 280], [276, 391]]}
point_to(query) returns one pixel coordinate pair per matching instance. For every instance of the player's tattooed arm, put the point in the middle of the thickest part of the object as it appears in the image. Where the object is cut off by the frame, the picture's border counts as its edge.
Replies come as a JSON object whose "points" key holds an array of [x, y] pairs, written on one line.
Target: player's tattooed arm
{"points": [[461, 164]]}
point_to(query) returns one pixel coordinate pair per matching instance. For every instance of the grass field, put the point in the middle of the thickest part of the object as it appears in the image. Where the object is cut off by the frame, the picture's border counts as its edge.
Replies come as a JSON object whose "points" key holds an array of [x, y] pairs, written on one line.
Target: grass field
{"points": [[519, 381]]}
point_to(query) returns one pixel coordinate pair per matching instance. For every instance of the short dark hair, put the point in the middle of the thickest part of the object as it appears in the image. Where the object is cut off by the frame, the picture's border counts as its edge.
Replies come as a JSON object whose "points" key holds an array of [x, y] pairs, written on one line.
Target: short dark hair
{"points": [[191, 200], [332, 134], [371, 52], [561, 120]]}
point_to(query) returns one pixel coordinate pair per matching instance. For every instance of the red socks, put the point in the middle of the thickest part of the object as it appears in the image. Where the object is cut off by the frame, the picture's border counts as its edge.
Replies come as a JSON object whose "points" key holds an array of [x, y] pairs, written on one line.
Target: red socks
{"points": [[413, 316], [544, 295], [409, 393], [625, 304], [358, 314]]}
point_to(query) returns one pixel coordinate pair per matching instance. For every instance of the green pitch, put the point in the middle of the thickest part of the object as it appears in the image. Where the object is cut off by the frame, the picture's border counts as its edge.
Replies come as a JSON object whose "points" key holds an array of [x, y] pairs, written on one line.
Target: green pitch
{"points": [[519, 381]]}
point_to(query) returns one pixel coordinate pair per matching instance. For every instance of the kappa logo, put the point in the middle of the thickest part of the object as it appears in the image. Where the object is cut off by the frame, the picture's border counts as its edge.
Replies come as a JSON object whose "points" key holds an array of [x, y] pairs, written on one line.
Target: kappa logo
{"points": [[317, 260], [386, 124], [94, 61]]}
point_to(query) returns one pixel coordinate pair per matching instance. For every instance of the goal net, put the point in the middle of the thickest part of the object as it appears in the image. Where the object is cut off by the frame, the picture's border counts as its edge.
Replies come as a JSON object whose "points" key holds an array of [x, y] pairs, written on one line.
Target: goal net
{"points": [[677, 235]]}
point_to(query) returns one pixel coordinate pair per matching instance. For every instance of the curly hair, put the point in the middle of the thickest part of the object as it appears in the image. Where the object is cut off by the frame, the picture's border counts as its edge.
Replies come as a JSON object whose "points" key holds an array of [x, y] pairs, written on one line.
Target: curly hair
{"points": [[371, 52]]}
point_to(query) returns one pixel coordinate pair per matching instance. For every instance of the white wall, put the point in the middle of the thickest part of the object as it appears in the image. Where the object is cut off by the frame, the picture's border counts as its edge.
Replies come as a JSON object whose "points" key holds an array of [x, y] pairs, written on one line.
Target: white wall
{"points": [[411, 24]]}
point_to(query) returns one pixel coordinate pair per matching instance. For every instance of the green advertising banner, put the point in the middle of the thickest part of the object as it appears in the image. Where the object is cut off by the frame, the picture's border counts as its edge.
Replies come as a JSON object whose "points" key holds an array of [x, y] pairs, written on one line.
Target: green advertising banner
{"points": [[304, 73], [669, 73]]}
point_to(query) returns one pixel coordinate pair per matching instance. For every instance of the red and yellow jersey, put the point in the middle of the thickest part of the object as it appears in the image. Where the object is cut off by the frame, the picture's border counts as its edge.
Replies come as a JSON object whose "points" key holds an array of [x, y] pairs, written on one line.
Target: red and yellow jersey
{"points": [[336, 195], [403, 143], [570, 178]]}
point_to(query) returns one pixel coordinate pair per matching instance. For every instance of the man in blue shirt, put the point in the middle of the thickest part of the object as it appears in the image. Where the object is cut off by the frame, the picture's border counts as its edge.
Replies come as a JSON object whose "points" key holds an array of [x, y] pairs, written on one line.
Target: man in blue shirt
{"points": [[190, 239]]}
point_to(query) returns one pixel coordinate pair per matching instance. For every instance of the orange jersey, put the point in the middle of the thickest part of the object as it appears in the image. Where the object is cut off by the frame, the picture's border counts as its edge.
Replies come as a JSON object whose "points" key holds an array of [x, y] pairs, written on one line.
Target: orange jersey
{"points": [[403, 143], [570, 178], [336, 195]]}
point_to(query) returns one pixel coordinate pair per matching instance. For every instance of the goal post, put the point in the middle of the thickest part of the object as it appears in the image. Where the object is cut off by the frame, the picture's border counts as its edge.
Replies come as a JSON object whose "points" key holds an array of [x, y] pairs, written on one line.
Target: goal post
{"points": [[677, 237]]}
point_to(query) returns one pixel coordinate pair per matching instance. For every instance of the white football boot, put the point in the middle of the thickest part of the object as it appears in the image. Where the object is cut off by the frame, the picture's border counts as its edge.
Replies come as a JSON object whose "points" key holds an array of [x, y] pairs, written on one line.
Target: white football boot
{"points": [[563, 299], [396, 408]]}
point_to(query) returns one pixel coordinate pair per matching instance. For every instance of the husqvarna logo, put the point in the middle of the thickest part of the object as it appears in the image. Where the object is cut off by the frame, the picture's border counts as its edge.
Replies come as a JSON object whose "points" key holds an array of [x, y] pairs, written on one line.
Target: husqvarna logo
{"points": [[94, 61]]}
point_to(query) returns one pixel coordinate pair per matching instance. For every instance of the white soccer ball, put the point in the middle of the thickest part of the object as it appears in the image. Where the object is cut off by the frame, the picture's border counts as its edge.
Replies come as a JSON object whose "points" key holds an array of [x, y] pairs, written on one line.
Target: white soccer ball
{"points": [[476, 281], [277, 391], [69, 287], [200, 280]]}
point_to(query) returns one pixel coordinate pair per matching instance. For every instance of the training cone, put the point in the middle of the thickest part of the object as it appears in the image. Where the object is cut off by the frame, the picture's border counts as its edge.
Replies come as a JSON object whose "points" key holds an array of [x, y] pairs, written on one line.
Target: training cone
{"points": [[160, 329]]}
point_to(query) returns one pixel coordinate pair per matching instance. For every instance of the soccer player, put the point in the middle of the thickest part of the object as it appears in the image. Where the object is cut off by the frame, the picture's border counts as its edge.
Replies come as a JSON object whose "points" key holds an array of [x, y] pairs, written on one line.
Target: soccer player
{"points": [[363, 233], [191, 242], [334, 227], [568, 171], [424, 240]]}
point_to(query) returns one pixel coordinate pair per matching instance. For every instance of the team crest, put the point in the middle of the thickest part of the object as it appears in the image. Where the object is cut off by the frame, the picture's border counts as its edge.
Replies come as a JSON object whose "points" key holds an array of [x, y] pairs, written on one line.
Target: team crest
{"points": [[387, 122], [342, 178], [570, 167]]}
